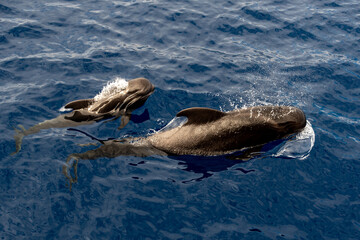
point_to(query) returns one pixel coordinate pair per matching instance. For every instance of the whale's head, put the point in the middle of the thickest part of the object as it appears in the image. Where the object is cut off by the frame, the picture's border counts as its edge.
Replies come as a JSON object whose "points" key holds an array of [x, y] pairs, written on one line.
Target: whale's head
{"points": [[285, 119], [138, 91]]}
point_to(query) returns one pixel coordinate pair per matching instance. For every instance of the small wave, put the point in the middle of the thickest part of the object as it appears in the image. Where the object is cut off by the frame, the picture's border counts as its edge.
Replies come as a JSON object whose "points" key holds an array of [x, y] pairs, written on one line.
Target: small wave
{"points": [[64, 5], [300, 146], [30, 31]]}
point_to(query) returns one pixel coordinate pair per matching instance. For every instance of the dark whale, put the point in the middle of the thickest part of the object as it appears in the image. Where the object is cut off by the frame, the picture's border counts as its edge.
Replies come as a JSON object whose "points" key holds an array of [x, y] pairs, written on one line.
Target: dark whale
{"points": [[87, 111], [207, 132]]}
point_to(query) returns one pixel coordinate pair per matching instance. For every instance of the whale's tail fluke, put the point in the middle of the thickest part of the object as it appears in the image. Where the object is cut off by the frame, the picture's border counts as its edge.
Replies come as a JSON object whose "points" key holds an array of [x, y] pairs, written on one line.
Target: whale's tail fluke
{"points": [[19, 135]]}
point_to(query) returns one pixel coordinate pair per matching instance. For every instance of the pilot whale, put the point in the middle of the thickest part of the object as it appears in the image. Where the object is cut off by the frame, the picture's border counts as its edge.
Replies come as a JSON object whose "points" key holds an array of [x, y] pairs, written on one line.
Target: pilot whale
{"points": [[112, 105], [207, 132], [116, 101]]}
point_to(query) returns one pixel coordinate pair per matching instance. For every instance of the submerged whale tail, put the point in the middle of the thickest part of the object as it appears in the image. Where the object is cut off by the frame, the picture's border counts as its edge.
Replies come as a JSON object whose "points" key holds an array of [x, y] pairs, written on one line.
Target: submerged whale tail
{"points": [[20, 134]]}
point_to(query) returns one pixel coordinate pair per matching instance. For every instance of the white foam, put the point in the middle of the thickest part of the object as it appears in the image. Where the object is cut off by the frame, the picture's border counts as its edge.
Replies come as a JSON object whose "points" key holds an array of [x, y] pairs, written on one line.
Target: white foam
{"points": [[63, 109], [112, 88]]}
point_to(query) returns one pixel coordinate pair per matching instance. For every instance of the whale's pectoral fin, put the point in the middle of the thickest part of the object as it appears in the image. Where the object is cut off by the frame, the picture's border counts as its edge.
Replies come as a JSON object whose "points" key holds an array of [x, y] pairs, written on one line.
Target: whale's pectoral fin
{"points": [[198, 115], [79, 104], [125, 119]]}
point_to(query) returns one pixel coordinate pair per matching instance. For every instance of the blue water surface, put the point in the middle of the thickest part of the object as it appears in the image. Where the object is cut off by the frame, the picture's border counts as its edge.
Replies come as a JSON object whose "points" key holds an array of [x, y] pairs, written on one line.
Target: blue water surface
{"points": [[219, 54]]}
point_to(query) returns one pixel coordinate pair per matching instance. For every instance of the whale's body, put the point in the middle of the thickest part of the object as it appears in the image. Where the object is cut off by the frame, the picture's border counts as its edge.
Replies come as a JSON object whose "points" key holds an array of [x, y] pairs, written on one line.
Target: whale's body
{"points": [[210, 132]]}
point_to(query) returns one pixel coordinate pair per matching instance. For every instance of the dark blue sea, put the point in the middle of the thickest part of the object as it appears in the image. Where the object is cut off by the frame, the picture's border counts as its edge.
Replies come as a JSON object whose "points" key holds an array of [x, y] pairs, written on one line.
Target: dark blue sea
{"points": [[220, 54]]}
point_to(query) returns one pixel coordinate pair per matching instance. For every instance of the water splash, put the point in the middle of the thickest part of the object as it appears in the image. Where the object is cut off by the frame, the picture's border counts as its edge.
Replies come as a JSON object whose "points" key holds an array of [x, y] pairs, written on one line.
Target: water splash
{"points": [[174, 123], [300, 146], [112, 88]]}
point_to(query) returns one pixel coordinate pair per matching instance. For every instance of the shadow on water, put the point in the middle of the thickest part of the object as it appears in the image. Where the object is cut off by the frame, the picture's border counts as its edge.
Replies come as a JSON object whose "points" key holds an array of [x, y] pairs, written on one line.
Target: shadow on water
{"points": [[207, 166]]}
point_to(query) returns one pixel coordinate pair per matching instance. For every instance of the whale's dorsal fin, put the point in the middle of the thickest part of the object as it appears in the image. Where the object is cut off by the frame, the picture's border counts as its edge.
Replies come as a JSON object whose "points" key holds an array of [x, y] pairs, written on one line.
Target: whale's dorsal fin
{"points": [[78, 104], [199, 115]]}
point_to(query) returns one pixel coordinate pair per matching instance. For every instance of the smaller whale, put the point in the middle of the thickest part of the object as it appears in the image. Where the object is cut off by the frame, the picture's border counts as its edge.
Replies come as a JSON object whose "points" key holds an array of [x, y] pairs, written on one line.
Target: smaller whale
{"points": [[115, 102], [207, 132], [116, 105]]}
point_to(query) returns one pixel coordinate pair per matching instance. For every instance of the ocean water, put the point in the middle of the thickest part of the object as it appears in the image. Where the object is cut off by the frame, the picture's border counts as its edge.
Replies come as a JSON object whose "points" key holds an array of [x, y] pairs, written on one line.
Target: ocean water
{"points": [[219, 54]]}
